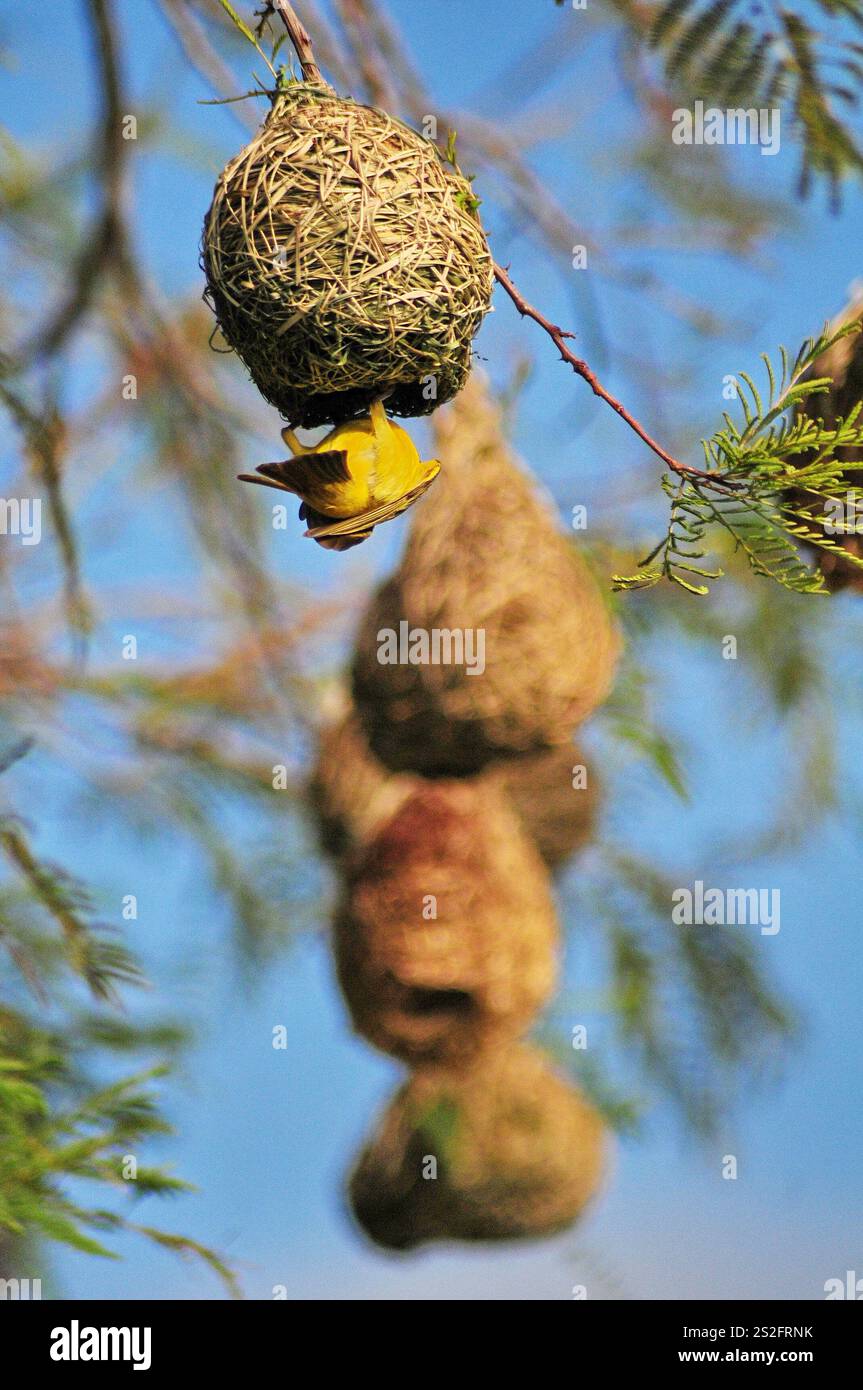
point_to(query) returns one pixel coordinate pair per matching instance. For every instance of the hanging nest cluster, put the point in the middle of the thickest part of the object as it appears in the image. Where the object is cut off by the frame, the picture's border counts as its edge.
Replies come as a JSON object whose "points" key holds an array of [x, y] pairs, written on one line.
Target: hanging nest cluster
{"points": [[345, 260], [843, 362], [517, 1152], [354, 794], [446, 799], [483, 553], [446, 940], [351, 792]]}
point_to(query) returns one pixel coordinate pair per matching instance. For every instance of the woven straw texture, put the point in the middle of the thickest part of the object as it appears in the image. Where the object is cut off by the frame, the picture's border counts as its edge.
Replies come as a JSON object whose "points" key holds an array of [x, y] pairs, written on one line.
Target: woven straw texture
{"points": [[484, 553], [353, 794], [454, 984], [344, 261], [519, 1153]]}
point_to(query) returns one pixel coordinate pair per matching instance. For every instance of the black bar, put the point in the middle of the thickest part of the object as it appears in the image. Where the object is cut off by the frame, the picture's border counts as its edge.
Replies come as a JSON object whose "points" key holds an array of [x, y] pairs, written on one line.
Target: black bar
{"points": [[224, 1337]]}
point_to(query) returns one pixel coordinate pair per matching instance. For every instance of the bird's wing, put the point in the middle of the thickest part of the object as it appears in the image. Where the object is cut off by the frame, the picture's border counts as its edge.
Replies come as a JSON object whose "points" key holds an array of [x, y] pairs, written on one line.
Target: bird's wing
{"points": [[320, 528], [265, 482], [360, 527], [342, 542], [303, 473]]}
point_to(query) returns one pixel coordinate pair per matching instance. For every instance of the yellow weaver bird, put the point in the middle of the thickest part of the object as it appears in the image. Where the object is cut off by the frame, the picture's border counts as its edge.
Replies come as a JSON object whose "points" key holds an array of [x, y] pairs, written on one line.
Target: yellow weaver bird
{"points": [[364, 472]]}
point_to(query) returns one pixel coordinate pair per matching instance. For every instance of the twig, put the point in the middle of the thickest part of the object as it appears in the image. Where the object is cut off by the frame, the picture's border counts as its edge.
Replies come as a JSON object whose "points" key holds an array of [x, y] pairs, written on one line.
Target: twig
{"points": [[43, 434], [104, 244], [558, 337], [299, 37]]}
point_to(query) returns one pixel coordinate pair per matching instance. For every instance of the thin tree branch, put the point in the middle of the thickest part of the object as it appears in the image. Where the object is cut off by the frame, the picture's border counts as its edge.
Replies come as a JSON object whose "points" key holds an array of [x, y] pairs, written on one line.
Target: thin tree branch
{"points": [[44, 438], [298, 35], [579, 366], [104, 245]]}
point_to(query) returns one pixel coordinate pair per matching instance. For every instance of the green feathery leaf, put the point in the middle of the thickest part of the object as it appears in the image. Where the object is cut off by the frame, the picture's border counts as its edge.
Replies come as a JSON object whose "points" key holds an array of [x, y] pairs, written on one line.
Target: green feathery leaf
{"points": [[755, 471]]}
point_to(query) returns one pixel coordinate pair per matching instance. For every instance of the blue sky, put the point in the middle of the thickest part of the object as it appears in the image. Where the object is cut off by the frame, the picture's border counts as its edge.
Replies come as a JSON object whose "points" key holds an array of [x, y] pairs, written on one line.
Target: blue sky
{"points": [[267, 1135]]}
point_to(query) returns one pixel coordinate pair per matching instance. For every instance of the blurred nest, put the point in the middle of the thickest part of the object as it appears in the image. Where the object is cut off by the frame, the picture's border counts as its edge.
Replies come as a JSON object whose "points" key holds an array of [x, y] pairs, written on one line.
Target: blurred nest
{"points": [[483, 555], [446, 939], [518, 1152], [353, 794], [559, 817], [344, 260], [843, 362]]}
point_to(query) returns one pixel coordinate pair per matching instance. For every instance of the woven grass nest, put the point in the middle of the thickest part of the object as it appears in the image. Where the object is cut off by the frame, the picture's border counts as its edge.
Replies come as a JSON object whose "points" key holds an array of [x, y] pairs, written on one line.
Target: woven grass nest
{"points": [[519, 1153], [483, 554], [353, 794], [345, 260], [446, 939]]}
